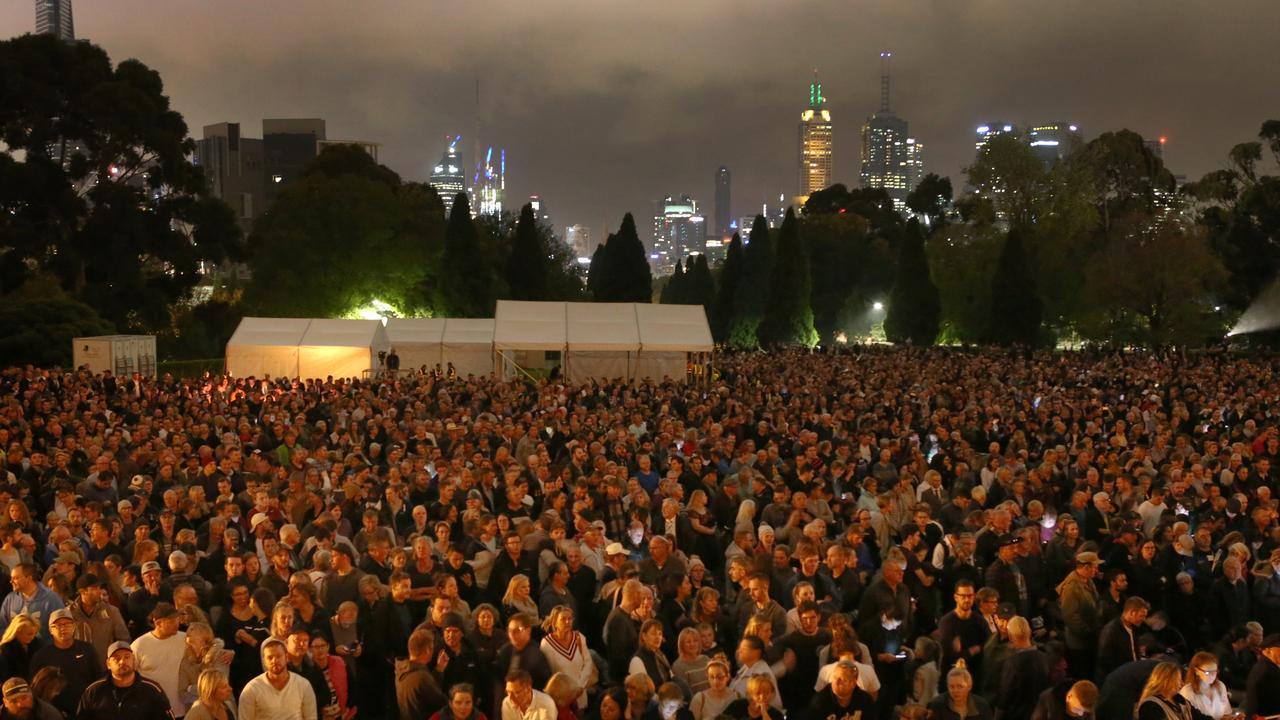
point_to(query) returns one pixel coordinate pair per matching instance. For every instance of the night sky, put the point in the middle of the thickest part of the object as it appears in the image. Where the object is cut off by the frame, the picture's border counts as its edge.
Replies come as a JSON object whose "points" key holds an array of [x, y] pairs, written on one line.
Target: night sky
{"points": [[607, 105]]}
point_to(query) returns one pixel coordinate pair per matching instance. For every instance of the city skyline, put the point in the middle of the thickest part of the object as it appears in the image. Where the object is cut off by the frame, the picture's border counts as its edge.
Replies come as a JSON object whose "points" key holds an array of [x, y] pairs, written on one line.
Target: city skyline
{"points": [[603, 138]]}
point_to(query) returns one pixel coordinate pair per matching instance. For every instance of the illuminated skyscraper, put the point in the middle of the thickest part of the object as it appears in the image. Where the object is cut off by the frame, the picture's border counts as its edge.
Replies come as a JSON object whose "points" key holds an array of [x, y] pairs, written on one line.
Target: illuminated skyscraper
{"points": [[986, 131], [1052, 142], [722, 202], [678, 231], [447, 176], [815, 144], [891, 159], [578, 238], [489, 188], [53, 17]]}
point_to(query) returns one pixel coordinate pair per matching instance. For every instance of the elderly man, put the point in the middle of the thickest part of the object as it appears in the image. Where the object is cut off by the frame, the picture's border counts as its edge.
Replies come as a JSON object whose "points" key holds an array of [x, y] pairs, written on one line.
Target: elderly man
{"points": [[1078, 598], [662, 561]]}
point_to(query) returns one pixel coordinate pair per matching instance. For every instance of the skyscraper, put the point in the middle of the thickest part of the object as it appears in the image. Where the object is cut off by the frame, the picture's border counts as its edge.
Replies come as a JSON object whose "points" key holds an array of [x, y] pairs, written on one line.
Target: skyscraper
{"points": [[540, 211], [723, 204], [815, 144], [891, 159], [287, 146], [578, 238], [233, 164], [1052, 142], [678, 231], [986, 131], [447, 176], [53, 17], [489, 187]]}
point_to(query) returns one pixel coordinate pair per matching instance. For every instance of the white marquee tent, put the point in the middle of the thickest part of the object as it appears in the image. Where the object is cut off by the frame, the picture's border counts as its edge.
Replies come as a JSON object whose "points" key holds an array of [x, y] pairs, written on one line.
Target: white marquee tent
{"points": [[600, 340], [418, 341], [467, 343], [300, 347]]}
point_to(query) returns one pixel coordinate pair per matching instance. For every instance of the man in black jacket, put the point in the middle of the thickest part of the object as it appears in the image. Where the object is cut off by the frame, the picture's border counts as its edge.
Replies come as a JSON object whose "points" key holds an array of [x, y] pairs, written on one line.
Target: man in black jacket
{"points": [[1262, 692], [124, 693], [843, 699], [1118, 641], [418, 694]]}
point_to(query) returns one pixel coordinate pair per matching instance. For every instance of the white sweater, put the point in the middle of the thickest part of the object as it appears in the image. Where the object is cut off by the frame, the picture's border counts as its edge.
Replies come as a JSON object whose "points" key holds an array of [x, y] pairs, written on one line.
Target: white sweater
{"points": [[262, 701], [159, 661]]}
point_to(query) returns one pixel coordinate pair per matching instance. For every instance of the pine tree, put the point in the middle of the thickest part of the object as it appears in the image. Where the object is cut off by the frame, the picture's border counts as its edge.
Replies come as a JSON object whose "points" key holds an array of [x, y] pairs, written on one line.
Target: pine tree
{"points": [[673, 290], [752, 296], [626, 276], [789, 317], [700, 287], [467, 281], [915, 307], [1016, 307], [527, 265], [730, 279], [597, 272]]}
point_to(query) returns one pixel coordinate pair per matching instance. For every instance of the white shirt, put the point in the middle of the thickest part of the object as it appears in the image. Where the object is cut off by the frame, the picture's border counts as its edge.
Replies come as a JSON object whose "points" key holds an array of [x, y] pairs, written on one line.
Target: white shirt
{"points": [[541, 707], [262, 701], [867, 678], [158, 660], [739, 684]]}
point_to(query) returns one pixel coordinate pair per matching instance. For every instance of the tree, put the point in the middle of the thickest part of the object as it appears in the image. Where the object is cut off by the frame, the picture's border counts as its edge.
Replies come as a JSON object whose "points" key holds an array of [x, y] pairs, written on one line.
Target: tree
{"points": [[96, 184], [730, 279], [931, 197], [345, 233], [915, 307], [753, 293], [597, 272], [1015, 312], [527, 265], [1155, 281], [625, 275], [673, 292], [963, 258], [789, 317], [700, 287], [468, 283], [1010, 175], [39, 321], [1124, 176]]}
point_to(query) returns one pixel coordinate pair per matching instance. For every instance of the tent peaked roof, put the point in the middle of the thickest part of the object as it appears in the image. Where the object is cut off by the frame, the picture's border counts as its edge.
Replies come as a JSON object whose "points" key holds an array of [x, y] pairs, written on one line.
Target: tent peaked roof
{"points": [[602, 326], [415, 330], [674, 328], [344, 333], [468, 331], [526, 325], [270, 331]]}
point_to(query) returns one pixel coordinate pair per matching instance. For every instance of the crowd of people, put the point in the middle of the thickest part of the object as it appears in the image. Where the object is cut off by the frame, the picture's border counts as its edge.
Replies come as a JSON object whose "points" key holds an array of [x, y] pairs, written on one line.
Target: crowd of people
{"points": [[868, 535]]}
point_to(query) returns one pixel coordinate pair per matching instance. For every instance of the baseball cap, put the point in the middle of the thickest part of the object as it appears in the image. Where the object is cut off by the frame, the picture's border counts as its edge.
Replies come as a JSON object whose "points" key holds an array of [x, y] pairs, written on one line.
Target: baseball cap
{"points": [[117, 646], [60, 614], [150, 566], [137, 482], [124, 504], [16, 686], [615, 549], [598, 525], [1088, 558]]}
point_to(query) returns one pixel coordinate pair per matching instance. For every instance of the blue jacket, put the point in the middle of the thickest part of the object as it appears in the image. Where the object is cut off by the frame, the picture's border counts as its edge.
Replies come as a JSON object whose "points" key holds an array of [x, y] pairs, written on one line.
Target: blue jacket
{"points": [[38, 607]]}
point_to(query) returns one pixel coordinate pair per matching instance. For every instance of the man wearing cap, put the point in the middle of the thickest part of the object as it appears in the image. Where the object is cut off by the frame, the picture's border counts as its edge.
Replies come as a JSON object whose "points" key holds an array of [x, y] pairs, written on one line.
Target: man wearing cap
{"points": [[1262, 690], [343, 583], [457, 661], [1006, 577], [159, 654], [21, 704], [124, 694], [277, 694], [29, 597], [143, 600], [77, 659], [98, 623], [1078, 598]]}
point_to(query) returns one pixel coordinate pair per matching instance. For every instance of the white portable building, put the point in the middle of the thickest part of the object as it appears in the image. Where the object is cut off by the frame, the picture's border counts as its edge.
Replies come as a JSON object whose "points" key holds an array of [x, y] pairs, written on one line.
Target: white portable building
{"points": [[264, 347], [468, 344], [121, 354], [341, 348], [528, 335], [602, 340], [672, 337], [418, 341]]}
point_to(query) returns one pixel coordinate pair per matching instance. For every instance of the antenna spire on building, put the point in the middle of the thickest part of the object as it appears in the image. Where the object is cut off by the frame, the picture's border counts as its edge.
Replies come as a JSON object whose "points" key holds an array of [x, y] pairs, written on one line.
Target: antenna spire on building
{"points": [[885, 59]]}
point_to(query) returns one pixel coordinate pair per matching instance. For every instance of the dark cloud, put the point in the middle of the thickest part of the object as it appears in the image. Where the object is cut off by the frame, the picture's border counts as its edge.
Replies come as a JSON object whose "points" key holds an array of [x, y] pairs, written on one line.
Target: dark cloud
{"points": [[606, 105]]}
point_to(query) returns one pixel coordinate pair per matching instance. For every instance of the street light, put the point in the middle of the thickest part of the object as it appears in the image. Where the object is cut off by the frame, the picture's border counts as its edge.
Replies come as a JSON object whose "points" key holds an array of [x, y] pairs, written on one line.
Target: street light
{"points": [[877, 306]]}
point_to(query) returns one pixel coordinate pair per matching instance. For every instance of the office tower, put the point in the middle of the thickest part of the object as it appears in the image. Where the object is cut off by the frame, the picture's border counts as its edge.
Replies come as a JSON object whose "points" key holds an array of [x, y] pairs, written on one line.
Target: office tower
{"points": [[815, 144], [578, 238], [447, 176], [489, 186], [287, 146], [53, 17], [233, 164], [723, 204], [540, 211], [1052, 142], [986, 131], [678, 231], [891, 159]]}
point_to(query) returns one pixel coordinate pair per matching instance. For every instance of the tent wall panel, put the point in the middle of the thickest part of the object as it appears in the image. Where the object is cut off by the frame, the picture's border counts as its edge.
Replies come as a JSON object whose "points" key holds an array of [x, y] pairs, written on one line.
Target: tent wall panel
{"points": [[657, 365], [340, 362], [581, 365]]}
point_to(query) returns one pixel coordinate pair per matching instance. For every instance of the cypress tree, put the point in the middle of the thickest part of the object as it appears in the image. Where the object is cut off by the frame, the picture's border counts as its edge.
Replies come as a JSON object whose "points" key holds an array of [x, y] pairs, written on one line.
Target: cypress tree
{"points": [[466, 278], [1016, 307], [597, 272], [527, 270], [915, 307], [673, 291], [752, 296], [789, 317], [700, 287], [629, 274], [730, 279]]}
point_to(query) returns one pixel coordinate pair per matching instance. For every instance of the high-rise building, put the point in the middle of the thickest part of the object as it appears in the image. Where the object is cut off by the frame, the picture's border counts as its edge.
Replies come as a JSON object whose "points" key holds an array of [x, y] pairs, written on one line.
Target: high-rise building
{"points": [[678, 231], [540, 211], [723, 203], [578, 238], [447, 177], [287, 146], [53, 17], [986, 131], [1052, 142], [891, 158], [815, 144], [233, 164], [489, 187]]}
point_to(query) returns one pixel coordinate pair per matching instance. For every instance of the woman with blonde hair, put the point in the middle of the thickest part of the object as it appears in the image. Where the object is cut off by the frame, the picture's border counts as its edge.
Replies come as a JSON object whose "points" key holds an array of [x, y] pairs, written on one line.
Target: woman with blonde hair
{"points": [[709, 704], [1203, 690], [1160, 699], [566, 651], [758, 704], [216, 700], [565, 693], [19, 643], [518, 598]]}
